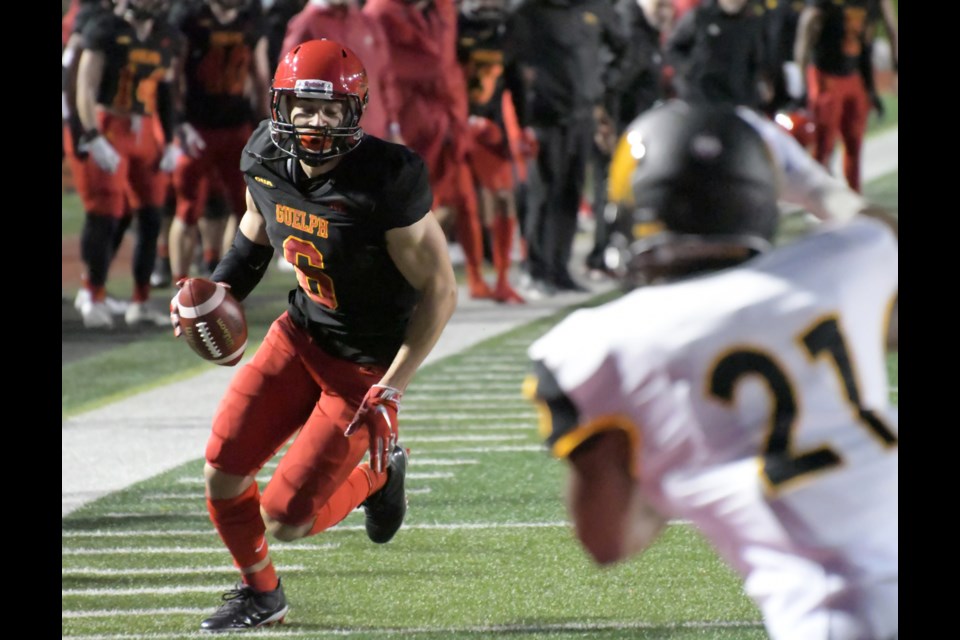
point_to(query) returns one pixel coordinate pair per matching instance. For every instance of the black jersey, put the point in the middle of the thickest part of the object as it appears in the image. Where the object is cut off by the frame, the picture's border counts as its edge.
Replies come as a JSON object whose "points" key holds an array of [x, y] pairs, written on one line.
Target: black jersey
{"points": [[132, 67], [842, 38], [350, 295], [217, 65]]}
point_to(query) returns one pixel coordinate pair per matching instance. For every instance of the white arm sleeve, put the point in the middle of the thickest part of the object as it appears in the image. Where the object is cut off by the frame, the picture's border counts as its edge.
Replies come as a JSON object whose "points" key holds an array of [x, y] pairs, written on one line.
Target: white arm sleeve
{"points": [[805, 182]]}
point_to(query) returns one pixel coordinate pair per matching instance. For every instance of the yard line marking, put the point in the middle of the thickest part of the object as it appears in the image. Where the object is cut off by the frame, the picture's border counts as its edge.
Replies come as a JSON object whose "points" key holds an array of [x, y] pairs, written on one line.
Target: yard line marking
{"points": [[484, 398], [523, 448], [175, 496], [442, 387], [466, 437], [475, 425], [109, 613], [164, 571], [441, 415], [437, 475], [480, 630], [444, 462], [120, 551], [143, 591], [452, 526]]}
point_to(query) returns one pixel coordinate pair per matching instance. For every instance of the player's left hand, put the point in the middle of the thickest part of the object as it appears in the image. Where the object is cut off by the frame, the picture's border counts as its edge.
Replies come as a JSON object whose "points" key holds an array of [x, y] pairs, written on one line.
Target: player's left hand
{"points": [[378, 413], [171, 154]]}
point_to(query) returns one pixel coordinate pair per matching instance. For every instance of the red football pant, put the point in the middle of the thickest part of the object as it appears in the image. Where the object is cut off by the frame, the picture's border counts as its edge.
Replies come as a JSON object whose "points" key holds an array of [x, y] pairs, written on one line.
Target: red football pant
{"points": [[138, 176], [840, 107], [221, 157], [292, 387]]}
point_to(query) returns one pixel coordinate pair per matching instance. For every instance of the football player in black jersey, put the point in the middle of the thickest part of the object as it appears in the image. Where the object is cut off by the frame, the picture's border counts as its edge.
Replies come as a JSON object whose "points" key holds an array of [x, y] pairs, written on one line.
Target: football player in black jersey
{"points": [[375, 288], [123, 158]]}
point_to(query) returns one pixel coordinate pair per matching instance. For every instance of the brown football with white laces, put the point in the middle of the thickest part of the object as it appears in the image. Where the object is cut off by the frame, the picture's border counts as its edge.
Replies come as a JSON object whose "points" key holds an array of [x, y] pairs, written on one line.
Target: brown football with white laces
{"points": [[212, 321]]}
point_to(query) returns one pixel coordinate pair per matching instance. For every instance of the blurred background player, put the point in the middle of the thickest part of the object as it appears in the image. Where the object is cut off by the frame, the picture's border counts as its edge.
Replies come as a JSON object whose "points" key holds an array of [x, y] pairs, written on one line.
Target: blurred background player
{"points": [[753, 401], [225, 79], [718, 54], [639, 81], [832, 37], [125, 104], [555, 58], [82, 12], [480, 32], [375, 289], [422, 37]]}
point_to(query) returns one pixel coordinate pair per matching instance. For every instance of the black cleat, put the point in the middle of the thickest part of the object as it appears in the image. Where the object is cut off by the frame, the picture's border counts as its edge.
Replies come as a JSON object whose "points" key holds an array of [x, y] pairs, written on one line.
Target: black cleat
{"points": [[244, 608], [386, 508]]}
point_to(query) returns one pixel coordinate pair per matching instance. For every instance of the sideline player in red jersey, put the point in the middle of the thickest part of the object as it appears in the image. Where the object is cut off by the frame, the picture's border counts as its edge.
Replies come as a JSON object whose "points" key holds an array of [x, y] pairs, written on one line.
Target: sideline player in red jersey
{"points": [[125, 104], [375, 289], [831, 38], [480, 33], [225, 78]]}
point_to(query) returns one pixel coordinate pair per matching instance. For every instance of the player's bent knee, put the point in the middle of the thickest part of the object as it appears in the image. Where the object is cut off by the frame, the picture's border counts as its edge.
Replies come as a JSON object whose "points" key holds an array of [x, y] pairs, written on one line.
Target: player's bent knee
{"points": [[283, 532], [221, 486]]}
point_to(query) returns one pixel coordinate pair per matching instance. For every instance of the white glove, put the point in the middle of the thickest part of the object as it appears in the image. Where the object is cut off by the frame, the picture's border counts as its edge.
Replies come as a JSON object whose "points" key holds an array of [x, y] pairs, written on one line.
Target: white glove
{"points": [[102, 153], [171, 154], [191, 140], [793, 80]]}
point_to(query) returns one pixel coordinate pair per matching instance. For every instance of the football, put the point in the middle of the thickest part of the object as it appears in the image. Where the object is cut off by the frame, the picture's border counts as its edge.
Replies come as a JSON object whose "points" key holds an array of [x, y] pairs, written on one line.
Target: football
{"points": [[212, 321]]}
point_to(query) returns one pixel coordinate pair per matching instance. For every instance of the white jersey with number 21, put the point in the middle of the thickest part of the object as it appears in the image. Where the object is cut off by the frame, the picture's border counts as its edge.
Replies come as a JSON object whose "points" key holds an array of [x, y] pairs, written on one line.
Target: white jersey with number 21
{"points": [[760, 397]]}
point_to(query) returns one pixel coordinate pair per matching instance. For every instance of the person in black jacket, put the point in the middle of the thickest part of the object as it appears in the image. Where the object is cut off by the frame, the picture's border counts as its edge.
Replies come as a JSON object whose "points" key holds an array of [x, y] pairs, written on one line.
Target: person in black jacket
{"points": [[637, 82], [554, 65], [718, 54]]}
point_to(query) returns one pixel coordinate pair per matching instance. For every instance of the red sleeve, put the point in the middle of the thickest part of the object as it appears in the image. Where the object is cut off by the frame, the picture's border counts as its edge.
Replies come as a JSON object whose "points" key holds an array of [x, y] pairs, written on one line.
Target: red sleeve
{"points": [[387, 79]]}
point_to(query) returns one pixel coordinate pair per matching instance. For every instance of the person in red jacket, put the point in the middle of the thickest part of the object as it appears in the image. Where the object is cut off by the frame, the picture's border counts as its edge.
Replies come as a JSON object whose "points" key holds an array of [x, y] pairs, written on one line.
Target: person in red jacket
{"points": [[433, 113], [344, 22]]}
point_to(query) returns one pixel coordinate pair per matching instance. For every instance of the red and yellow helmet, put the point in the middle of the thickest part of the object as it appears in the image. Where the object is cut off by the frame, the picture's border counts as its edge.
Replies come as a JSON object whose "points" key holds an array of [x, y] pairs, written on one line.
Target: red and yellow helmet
{"points": [[320, 70]]}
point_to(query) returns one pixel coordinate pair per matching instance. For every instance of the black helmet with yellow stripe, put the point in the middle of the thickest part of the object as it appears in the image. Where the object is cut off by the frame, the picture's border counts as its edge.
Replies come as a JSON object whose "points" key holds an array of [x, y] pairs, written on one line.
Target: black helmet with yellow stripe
{"points": [[695, 187]]}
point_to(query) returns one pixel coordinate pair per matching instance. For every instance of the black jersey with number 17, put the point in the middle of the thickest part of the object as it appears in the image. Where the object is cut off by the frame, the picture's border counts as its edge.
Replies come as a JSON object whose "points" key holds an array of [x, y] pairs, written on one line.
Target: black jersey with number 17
{"points": [[350, 295]]}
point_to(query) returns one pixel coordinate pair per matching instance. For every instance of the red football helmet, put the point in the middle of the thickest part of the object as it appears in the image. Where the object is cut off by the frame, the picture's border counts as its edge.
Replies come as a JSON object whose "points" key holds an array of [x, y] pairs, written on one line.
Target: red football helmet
{"points": [[320, 70], [800, 125]]}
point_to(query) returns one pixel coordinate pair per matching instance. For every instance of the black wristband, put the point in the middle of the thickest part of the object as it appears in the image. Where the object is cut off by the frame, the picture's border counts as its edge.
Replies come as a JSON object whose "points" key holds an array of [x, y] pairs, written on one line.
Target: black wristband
{"points": [[243, 266]]}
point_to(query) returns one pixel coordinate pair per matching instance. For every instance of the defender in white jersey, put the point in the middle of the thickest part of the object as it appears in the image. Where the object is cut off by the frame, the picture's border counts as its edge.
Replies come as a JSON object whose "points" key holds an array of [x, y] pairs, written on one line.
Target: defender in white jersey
{"points": [[744, 390]]}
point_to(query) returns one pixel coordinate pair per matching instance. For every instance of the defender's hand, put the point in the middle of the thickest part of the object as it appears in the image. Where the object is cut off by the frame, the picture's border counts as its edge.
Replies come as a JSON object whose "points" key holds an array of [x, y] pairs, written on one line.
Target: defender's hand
{"points": [[378, 413]]}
